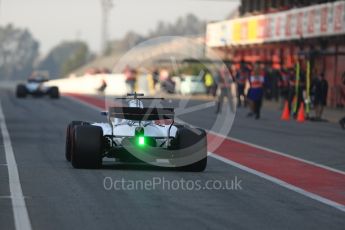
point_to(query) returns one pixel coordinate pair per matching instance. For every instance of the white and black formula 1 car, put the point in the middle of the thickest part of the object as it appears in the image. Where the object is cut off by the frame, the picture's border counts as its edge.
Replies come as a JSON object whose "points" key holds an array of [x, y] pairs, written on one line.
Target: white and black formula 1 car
{"points": [[137, 134], [36, 87]]}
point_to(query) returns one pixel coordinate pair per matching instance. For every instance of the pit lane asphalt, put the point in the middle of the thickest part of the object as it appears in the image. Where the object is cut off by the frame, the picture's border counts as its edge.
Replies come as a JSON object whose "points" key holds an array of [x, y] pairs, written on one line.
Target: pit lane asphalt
{"points": [[60, 197]]}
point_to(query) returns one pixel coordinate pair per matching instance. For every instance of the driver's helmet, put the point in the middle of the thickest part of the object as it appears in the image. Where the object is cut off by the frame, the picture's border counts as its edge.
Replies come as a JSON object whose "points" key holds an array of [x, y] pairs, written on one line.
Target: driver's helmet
{"points": [[135, 104]]}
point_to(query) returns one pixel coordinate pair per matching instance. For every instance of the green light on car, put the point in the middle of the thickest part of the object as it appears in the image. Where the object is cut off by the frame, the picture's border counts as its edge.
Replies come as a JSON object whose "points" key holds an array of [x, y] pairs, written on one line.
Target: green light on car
{"points": [[141, 140]]}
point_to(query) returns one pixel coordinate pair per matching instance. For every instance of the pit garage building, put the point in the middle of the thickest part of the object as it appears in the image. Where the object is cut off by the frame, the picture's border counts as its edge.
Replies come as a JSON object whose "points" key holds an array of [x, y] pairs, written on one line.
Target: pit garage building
{"points": [[280, 32]]}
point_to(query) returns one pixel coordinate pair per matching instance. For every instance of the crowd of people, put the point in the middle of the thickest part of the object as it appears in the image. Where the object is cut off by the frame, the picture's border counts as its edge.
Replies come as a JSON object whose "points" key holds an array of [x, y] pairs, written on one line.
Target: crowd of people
{"points": [[258, 81], [249, 83], [254, 83]]}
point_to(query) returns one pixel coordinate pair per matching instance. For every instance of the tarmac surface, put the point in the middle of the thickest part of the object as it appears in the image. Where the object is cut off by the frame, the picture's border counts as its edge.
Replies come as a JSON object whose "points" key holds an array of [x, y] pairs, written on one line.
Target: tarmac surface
{"points": [[60, 197]]}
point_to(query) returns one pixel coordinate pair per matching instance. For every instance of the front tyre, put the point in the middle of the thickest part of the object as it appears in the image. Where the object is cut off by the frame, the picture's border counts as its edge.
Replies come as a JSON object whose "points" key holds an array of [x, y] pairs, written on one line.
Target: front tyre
{"points": [[21, 91], [87, 147], [54, 92]]}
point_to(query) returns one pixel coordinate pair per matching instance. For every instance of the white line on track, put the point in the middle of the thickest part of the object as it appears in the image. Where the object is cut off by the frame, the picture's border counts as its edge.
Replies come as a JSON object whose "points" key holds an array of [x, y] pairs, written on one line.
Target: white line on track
{"points": [[10, 197], [280, 182], [20, 212], [5, 197]]}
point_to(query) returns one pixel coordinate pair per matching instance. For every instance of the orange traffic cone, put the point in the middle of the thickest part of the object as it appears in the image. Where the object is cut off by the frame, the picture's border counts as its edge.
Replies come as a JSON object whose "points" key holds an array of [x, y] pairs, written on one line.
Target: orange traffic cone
{"points": [[300, 114], [286, 113]]}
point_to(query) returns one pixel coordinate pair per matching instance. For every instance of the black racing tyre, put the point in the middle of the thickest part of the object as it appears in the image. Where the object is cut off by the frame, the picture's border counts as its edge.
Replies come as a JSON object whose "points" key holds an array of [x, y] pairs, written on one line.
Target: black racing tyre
{"points": [[87, 147], [69, 139], [197, 139], [68, 144], [54, 92], [21, 91]]}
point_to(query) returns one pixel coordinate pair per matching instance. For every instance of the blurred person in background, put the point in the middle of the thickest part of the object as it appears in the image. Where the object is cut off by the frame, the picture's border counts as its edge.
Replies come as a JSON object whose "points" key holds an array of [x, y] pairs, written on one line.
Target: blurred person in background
{"points": [[209, 83], [342, 121], [166, 83], [242, 75], [340, 92], [296, 90], [130, 76], [102, 87], [268, 85], [155, 77], [275, 83], [224, 81], [284, 80], [256, 91], [320, 89]]}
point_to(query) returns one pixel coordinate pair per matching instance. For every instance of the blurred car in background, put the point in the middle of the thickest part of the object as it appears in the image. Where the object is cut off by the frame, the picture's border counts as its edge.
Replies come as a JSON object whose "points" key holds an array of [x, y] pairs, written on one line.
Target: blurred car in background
{"points": [[192, 85], [37, 87]]}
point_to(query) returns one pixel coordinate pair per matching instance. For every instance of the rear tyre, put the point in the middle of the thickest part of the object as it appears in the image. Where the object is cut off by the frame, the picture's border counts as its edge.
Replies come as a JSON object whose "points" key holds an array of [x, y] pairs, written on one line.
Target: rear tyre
{"points": [[87, 147], [21, 91], [69, 139], [54, 92], [196, 140]]}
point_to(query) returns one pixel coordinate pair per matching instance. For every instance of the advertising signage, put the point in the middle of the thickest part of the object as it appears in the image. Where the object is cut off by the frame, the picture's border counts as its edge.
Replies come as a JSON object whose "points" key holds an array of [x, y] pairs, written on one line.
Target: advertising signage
{"points": [[313, 21]]}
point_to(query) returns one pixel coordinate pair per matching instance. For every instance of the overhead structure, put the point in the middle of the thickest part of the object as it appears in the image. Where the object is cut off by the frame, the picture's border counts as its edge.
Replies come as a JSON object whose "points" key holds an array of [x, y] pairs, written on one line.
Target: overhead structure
{"points": [[107, 5]]}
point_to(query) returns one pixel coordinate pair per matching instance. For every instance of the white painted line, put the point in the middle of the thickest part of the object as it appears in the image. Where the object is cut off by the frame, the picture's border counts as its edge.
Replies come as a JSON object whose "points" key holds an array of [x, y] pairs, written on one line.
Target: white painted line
{"points": [[5, 197], [9, 197], [280, 182], [279, 153], [20, 212]]}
